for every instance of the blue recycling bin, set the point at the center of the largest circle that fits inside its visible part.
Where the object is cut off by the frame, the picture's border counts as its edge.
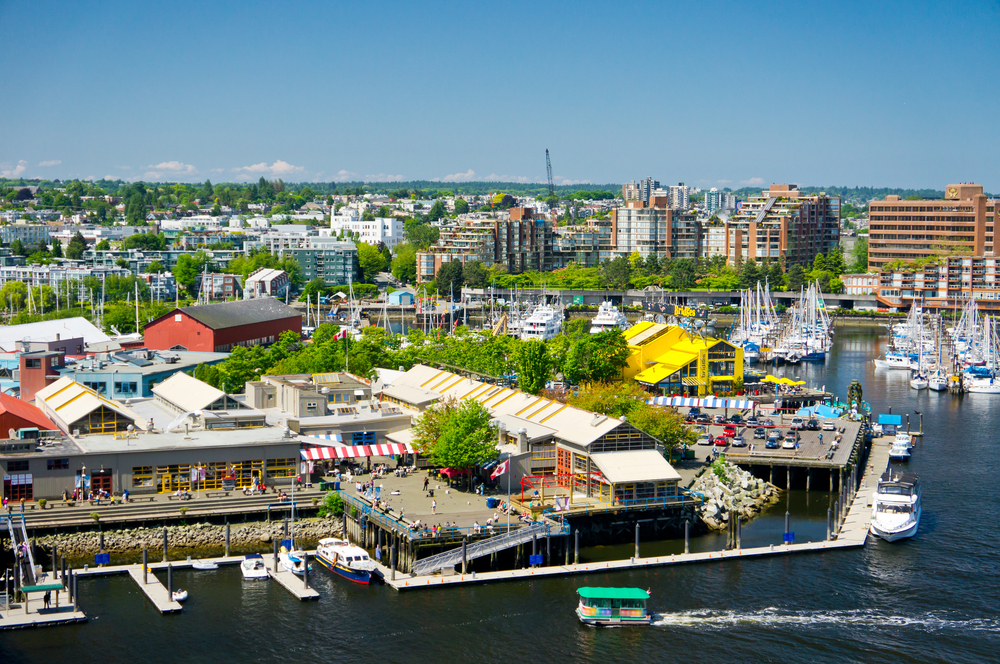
(336, 485)
(491, 503)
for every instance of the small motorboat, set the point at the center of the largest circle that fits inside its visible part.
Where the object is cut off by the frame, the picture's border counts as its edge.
(293, 561)
(204, 565)
(179, 595)
(253, 567)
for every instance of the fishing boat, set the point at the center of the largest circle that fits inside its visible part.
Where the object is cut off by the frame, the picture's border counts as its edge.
(345, 559)
(179, 595)
(901, 446)
(253, 567)
(613, 606)
(896, 508)
(293, 561)
(608, 317)
(204, 565)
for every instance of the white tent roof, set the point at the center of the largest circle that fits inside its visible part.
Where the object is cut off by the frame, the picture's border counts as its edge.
(187, 393)
(635, 466)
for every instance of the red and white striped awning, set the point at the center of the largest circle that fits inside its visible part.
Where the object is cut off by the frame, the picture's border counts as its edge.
(355, 451)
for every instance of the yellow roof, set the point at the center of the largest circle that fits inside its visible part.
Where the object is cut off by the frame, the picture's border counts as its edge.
(676, 357)
(636, 329)
(656, 373)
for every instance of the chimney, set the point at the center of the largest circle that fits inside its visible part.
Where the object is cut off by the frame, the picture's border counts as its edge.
(522, 440)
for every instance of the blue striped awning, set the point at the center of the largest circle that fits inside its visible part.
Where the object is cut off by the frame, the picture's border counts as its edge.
(707, 402)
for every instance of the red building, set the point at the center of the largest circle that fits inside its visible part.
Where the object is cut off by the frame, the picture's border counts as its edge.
(39, 369)
(16, 414)
(221, 327)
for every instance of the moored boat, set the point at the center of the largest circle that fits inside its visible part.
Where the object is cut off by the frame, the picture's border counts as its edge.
(901, 446)
(179, 595)
(345, 559)
(293, 561)
(204, 565)
(896, 507)
(253, 567)
(613, 606)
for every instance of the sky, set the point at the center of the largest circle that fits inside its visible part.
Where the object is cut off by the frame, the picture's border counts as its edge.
(899, 94)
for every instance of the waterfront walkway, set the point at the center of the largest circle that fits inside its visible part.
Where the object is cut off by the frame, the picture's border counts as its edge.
(32, 613)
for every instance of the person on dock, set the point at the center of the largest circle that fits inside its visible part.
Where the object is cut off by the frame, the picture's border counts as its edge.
(434, 506)
(427, 481)
(47, 599)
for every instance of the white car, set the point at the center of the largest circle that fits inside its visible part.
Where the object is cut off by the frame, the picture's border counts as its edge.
(797, 423)
(788, 444)
(705, 440)
(829, 426)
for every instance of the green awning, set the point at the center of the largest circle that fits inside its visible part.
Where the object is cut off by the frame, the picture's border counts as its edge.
(589, 592)
(43, 588)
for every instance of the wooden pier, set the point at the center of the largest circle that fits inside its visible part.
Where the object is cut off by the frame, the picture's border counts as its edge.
(32, 613)
(292, 583)
(153, 589)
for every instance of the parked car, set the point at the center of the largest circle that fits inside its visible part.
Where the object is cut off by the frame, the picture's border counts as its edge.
(775, 435)
(797, 423)
(829, 426)
(719, 419)
(812, 425)
(760, 433)
(703, 419)
(721, 441)
(705, 439)
(739, 441)
(729, 431)
(767, 422)
(695, 412)
(772, 444)
(736, 419)
(752, 420)
(788, 444)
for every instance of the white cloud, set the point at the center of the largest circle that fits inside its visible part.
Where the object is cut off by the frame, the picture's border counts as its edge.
(218, 170)
(111, 177)
(493, 177)
(383, 177)
(152, 175)
(344, 176)
(752, 182)
(175, 167)
(54, 162)
(279, 168)
(723, 181)
(467, 176)
(15, 172)
(558, 179)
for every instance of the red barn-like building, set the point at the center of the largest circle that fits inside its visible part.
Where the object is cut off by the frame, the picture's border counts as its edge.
(16, 414)
(221, 327)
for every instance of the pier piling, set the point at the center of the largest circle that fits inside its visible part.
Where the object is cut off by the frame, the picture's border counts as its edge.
(164, 544)
(392, 563)
(637, 541)
(62, 566)
(565, 545)
(465, 559)
(76, 591)
(687, 536)
(836, 516)
(100, 545)
(170, 581)
(305, 570)
(55, 562)
(145, 565)
(275, 554)
(576, 547)
(828, 514)
(227, 538)
(69, 585)
(548, 550)
(739, 532)
(788, 518)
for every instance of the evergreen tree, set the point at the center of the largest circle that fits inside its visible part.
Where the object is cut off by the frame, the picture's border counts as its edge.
(77, 245)
(796, 277)
(57, 248)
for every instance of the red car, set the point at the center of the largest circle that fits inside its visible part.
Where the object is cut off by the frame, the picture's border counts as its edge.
(729, 431)
(721, 441)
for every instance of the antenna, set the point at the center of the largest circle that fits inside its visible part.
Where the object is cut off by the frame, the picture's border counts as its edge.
(548, 168)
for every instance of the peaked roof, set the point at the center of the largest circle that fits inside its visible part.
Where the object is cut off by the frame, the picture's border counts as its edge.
(241, 312)
(187, 392)
(26, 411)
(67, 401)
(67, 328)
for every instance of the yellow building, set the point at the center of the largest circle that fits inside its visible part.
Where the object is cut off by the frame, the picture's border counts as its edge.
(666, 359)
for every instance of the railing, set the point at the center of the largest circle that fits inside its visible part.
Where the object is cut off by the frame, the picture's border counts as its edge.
(483, 547)
(381, 518)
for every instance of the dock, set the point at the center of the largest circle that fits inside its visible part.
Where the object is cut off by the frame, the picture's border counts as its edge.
(32, 613)
(293, 584)
(154, 590)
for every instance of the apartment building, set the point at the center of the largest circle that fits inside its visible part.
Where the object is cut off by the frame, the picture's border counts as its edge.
(639, 191)
(214, 286)
(713, 240)
(716, 200)
(860, 284)
(381, 230)
(942, 283)
(655, 228)
(29, 234)
(58, 277)
(334, 261)
(961, 223)
(784, 223)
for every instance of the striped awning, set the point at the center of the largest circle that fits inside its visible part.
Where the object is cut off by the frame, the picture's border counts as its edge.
(322, 439)
(355, 451)
(707, 402)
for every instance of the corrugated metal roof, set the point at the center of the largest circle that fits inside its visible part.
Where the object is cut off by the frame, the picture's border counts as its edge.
(187, 393)
(25, 411)
(241, 312)
(66, 328)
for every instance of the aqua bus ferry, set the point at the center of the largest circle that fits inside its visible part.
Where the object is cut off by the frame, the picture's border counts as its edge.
(613, 606)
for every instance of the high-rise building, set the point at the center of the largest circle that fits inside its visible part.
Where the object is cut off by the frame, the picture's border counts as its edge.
(713, 200)
(640, 191)
(784, 223)
(961, 223)
(680, 196)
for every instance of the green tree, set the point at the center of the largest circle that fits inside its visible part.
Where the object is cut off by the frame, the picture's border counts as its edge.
(430, 425)
(475, 275)
(205, 194)
(77, 245)
(17, 247)
(533, 365)
(419, 234)
(135, 210)
(186, 271)
(596, 357)
(122, 263)
(750, 274)
(468, 439)
(616, 273)
(461, 206)
(150, 241)
(371, 260)
(683, 273)
(796, 277)
(316, 285)
(437, 211)
(57, 251)
(156, 267)
(450, 278)
(404, 263)
(859, 254)
(664, 424)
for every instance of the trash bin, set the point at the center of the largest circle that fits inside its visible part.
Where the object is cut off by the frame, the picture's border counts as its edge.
(491, 503)
(336, 485)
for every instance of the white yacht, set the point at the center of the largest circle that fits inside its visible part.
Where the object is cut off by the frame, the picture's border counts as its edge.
(253, 567)
(896, 507)
(343, 558)
(937, 381)
(982, 385)
(608, 317)
(543, 324)
(894, 361)
(901, 446)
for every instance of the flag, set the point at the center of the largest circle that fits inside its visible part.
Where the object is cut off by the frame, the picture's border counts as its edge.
(340, 335)
(500, 469)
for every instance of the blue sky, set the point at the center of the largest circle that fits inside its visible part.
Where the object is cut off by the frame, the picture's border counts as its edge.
(709, 93)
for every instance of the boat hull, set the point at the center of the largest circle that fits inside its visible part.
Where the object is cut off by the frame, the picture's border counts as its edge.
(894, 535)
(613, 622)
(355, 576)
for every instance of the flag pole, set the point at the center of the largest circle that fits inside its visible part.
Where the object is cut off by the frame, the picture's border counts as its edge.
(508, 491)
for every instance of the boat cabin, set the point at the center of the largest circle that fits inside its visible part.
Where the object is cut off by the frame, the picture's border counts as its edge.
(904, 484)
(613, 606)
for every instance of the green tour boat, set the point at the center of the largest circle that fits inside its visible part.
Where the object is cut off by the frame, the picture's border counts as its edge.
(613, 606)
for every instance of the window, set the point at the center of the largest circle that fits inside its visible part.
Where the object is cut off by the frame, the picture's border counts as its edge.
(142, 476)
(20, 466)
(125, 387)
(57, 464)
(33, 363)
(281, 467)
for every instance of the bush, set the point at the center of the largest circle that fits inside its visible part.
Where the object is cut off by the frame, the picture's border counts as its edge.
(42, 503)
(332, 505)
(95, 516)
(183, 510)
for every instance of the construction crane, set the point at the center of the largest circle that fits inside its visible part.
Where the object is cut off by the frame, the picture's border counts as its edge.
(548, 167)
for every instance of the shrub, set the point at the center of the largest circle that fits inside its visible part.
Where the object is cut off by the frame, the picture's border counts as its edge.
(332, 505)
(183, 510)
(95, 516)
(42, 503)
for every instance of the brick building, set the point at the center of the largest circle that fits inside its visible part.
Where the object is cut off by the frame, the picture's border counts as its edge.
(221, 327)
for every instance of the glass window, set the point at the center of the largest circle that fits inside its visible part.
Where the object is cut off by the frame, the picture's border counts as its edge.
(57, 464)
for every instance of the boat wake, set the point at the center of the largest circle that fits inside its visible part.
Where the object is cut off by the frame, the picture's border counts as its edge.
(774, 617)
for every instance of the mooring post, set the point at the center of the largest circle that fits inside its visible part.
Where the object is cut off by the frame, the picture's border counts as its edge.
(836, 516)
(534, 545)
(305, 570)
(392, 562)
(809, 475)
(76, 591)
(164, 544)
(170, 581)
(285, 531)
(687, 536)
(787, 519)
(227, 538)
(739, 532)
(55, 562)
(828, 516)
(576, 547)
(343, 520)
(145, 565)
(69, 582)
(565, 544)
(548, 550)
(465, 541)
(62, 566)
(637, 541)
(275, 556)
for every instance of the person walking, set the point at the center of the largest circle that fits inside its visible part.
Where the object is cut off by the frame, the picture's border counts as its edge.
(427, 481)
(22, 505)
(434, 506)
(47, 599)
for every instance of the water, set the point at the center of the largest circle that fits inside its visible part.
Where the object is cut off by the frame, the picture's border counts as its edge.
(933, 598)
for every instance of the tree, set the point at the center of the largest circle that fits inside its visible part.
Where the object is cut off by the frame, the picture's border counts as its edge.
(371, 260)
(206, 192)
(57, 251)
(122, 263)
(103, 245)
(683, 273)
(437, 211)
(186, 272)
(428, 428)
(317, 285)
(533, 365)
(135, 210)
(419, 234)
(596, 357)
(404, 263)
(616, 273)
(461, 206)
(859, 254)
(652, 265)
(156, 267)
(17, 247)
(450, 278)
(796, 277)
(77, 245)
(664, 424)
(750, 274)
(468, 439)
(475, 275)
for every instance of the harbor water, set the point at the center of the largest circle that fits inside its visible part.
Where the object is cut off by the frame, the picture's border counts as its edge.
(933, 598)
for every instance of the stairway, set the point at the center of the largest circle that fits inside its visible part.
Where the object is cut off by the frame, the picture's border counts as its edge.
(19, 534)
(482, 548)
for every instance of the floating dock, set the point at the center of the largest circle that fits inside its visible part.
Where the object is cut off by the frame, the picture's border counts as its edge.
(292, 583)
(154, 590)
(22, 615)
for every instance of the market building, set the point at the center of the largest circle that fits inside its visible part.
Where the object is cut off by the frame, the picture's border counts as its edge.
(666, 359)
(221, 327)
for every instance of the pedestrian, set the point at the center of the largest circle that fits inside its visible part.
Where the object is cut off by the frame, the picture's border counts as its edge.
(427, 481)
(22, 505)
(434, 506)
(47, 599)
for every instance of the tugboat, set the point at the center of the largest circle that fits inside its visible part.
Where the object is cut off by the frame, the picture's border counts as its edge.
(613, 606)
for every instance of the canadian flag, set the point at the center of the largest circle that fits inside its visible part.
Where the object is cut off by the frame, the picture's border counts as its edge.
(500, 470)
(340, 335)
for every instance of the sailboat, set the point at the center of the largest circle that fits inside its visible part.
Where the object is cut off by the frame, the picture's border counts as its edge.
(938, 380)
(292, 559)
(918, 380)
